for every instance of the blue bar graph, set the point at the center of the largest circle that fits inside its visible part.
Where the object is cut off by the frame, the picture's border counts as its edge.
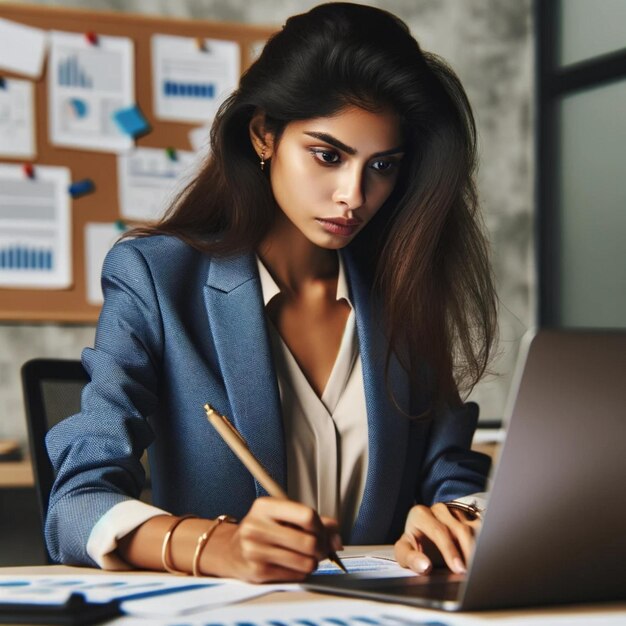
(188, 90)
(70, 74)
(25, 258)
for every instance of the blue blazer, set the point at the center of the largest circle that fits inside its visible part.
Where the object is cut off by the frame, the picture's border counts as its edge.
(179, 329)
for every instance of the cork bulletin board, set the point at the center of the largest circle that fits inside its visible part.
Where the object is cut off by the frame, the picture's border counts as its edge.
(71, 304)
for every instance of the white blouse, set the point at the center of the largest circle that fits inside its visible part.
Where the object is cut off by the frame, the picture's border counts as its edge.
(326, 438)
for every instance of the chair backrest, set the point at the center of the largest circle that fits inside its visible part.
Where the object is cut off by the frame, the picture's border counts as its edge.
(52, 390)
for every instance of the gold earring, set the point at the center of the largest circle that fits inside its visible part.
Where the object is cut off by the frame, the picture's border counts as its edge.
(262, 159)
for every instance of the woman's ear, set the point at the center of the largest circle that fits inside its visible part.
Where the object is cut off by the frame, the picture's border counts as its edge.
(262, 139)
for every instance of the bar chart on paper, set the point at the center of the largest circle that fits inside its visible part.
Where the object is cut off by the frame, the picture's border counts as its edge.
(34, 228)
(26, 258)
(71, 74)
(188, 90)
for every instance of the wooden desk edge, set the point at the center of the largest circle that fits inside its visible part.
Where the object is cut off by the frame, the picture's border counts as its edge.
(16, 474)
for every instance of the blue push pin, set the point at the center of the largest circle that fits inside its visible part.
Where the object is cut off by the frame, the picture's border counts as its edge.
(81, 187)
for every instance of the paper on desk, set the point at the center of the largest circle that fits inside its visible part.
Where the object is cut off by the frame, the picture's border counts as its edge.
(145, 596)
(309, 613)
(352, 612)
(366, 566)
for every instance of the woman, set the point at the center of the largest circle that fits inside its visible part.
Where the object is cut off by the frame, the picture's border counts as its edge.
(324, 283)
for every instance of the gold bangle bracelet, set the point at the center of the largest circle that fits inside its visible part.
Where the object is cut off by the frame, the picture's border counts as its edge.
(165, 548)
(203, 539)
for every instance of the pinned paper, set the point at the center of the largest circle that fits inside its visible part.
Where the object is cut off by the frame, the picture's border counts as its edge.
(22, 48)
(148, 180)
(81, 187)
(99, 238)
(35, 227)
(131, 121)
(86, 84)
(17, 119)
(192, 77)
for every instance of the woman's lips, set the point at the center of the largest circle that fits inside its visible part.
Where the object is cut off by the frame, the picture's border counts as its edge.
(338, 226)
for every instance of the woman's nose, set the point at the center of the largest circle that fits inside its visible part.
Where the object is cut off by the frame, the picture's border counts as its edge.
(350, 190)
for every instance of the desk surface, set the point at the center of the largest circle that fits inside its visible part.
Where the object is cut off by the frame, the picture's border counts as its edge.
(16, 474)
(574, 615)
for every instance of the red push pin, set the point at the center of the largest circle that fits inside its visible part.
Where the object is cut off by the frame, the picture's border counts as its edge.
(92, 38)
(28, 170)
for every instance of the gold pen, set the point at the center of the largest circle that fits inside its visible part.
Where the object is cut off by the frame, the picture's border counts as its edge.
(236, 443)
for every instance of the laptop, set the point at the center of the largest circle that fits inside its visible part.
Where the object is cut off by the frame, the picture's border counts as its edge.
(555, 528)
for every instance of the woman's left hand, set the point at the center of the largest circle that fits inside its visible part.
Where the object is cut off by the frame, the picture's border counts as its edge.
(435, 533)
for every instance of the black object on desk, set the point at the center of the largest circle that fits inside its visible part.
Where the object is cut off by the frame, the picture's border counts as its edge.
(76, 610)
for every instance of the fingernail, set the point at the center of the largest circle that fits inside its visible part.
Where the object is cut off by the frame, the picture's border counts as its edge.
(420, 566)
(459, 567)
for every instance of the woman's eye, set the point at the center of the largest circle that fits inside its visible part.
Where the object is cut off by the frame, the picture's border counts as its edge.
(383, 167)
(326, 156)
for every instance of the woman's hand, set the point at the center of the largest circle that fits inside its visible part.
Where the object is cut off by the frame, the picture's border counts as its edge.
(278, 540)
(435, 533)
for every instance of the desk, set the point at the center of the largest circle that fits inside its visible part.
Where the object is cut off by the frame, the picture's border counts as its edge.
(16, 474)
(583, 615)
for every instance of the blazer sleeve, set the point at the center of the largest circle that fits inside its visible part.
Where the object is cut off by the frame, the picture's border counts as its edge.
(96, 453)
(451, 469)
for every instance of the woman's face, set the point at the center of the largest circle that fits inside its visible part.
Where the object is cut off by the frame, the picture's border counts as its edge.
(330, 175)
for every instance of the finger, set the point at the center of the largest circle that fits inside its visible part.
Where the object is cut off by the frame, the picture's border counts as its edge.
(422, 524)
(290, 512)
(263, 559)
(332, 532)
(440, 528)
(461, 529)
(408, 552)
(272, 532)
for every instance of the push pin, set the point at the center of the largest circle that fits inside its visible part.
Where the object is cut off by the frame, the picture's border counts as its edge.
(92, 38)
(201, 44)
(171, 154)
(28, 170)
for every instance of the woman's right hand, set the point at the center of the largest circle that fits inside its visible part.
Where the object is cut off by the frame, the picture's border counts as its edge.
(278, 540)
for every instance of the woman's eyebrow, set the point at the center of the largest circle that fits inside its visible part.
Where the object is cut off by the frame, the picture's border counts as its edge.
(333, 141)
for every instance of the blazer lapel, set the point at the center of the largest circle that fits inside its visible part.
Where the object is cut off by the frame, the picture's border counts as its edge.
(388, 429)
(235, 307)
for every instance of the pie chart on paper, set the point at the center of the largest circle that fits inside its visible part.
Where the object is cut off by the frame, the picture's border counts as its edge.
(78, 108)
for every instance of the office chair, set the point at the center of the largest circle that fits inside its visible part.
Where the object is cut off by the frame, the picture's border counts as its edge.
(52, 389)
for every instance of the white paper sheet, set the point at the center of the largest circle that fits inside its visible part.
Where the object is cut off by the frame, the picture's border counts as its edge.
(35, 228)
(364, 567)
(99, 238)
(189, 83)
(148, 179)
(154, 596)
(87, 84)
(17, 119)
(22, 48)
(200, 139)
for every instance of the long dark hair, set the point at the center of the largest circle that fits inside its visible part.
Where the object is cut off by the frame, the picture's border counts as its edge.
(431, 268)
